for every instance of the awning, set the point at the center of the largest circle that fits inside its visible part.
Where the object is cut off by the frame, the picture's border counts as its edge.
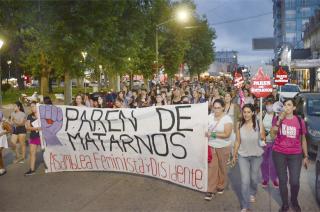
(312, 63)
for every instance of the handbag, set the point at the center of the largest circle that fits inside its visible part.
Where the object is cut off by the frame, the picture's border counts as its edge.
(209, 154)
(209, 148)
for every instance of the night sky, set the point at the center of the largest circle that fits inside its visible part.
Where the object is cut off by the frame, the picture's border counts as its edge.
(238, 35)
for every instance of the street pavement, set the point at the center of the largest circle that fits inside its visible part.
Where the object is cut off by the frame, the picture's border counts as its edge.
(112, 191)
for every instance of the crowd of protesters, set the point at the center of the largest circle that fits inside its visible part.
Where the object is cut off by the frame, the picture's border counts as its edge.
(235, 133)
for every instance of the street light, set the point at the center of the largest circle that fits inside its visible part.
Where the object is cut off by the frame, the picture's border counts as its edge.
(1, 44)
(100, 68)
(181, 16)
(84, 55)
(130, 76)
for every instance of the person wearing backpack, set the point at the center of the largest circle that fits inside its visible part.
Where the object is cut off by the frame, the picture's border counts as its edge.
(268, 170)
(248, 151)
(289, 152)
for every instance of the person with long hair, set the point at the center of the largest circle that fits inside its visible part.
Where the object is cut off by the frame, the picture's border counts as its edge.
(79, 101)
(18, 120)
(34, 140)
(247, 97)
(289, 153)
(176, 96)
(3, 144)
(195, 97)
(159, 100)
(220, 129)
(143, 100)
(231, 109)
(249, 153)
(119, 102)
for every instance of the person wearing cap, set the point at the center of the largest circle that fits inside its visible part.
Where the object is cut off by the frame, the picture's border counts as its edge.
(94, 101)
(3, 144)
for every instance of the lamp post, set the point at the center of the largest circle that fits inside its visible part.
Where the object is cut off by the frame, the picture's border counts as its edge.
(182, 15)
(9, 63)
(130, 77)
(100, 68)
(84, 55)
(1, 44)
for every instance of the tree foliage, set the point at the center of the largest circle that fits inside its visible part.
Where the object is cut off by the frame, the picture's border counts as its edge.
(50, 36)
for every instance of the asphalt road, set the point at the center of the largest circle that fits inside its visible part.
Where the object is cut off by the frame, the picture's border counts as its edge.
(111, 191)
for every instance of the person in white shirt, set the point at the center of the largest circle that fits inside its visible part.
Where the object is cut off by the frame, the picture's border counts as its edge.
(219, 132)
(3, 144)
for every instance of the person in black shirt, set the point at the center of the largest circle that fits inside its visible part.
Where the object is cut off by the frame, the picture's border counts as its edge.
(34, 139)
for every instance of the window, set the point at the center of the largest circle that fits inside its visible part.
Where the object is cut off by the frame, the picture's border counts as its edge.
(305, 3)
(305, 12)
(313, 107)
(290, 26)
(290, 4)
(290, 14)
(290, 37)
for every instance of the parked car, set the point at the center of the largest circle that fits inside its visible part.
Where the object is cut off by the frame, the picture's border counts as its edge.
(308, 108)
(288, 91)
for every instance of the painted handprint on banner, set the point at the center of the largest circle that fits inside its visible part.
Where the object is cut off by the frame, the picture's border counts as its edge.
(51, 122)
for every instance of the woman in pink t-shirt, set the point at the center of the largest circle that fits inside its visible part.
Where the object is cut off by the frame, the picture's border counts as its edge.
(290, 143)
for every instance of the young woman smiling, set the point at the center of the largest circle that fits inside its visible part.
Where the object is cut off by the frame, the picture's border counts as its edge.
(249, 152)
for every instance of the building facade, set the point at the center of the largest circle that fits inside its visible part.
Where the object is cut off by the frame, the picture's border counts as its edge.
(312, 42)
(290, 18)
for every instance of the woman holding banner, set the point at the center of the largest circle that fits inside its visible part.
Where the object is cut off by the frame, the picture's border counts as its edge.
(247, 149)
(289, 153)
(34, 139)
(220, 129)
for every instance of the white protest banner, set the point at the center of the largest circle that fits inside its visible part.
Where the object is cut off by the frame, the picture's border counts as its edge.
(166, 142)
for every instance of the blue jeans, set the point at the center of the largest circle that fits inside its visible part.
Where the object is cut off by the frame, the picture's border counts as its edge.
(249, 171)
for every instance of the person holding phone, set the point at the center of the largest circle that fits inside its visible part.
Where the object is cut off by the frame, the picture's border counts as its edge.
(289, 152)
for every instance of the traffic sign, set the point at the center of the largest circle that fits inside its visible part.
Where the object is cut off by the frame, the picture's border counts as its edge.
(261, 84)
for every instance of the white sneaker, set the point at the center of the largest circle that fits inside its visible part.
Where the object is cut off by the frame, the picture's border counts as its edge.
(2, 171)
(252, 199)
(209, 196)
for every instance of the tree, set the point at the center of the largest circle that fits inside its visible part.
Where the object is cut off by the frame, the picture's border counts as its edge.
(201, 52)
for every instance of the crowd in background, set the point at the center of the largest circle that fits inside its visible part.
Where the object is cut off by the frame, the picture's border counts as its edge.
(235, 133)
